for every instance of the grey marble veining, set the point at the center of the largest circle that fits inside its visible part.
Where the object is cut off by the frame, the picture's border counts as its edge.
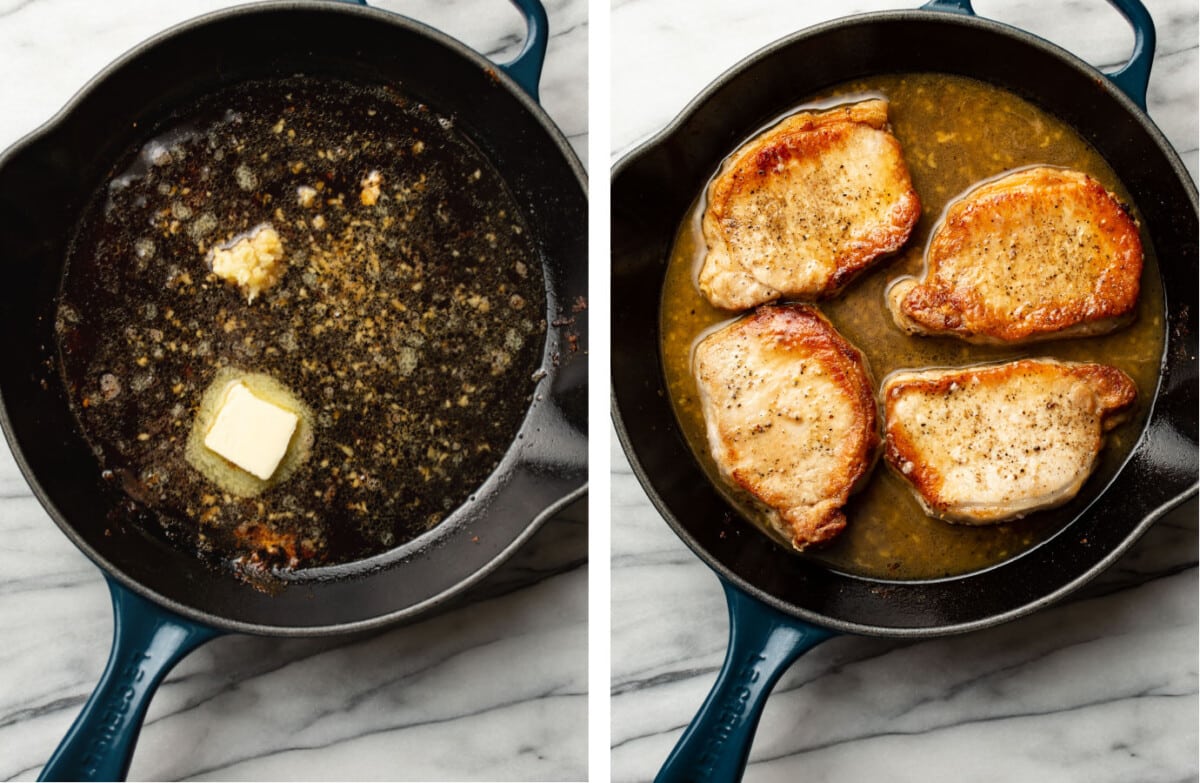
(492, 689)
(1099, 689)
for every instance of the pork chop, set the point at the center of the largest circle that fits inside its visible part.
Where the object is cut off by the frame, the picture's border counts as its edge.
(802, 208)
(995, 442)
(790, 414)
(1037, 254)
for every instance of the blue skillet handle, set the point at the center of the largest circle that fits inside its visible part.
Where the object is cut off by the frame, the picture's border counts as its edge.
(1133, 77)
(763, 643)
(148, 641)
(950, 6)
(526, 68)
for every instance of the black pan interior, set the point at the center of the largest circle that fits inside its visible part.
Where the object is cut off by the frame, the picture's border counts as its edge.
(653, 188)
(46, 182)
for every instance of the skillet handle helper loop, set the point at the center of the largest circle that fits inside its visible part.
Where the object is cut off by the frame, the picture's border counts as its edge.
(1132, 78)
(147, 643)
(526, 68)
(763, 643)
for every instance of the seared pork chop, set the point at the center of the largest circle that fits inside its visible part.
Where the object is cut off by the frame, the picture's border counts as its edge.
(1039, 253)
(790, 415)
(802, 208)
(994, 442)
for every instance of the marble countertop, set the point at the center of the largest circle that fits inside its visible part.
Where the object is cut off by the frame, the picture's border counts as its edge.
(1100, 688)
(493, 689)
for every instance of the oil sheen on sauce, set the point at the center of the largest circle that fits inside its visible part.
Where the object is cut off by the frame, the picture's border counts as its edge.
(409, 320)
(955, 132)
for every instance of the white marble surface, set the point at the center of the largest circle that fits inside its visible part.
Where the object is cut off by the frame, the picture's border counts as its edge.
(1101, 688)
(495, 689)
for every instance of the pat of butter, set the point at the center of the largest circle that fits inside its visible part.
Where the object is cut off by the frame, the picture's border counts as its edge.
(251, 432)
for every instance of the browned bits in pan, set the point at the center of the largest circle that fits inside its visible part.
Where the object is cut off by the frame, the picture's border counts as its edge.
(394, 315)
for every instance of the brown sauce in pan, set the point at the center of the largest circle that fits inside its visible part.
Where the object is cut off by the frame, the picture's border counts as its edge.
(955, 132)
(409, 323)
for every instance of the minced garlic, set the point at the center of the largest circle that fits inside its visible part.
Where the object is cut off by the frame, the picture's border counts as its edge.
(253, 262)
(370, 188)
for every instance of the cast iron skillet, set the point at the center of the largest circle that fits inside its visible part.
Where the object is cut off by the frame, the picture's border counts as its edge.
(781, 604)
(165, 601)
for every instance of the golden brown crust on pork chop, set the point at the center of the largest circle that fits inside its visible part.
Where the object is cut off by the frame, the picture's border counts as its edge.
(802, 208)
(790, 415)
(1039, 253)
(986, 444)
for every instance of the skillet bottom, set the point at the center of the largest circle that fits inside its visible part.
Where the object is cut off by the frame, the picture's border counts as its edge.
(406, 318)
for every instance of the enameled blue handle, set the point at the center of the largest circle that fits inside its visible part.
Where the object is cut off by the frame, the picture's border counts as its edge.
(148, 641)
(1133, 78)
(763, 643)
(526, 68)
(950, 6)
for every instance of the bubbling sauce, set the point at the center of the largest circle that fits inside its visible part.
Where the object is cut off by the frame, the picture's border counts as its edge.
(408, 319)
(955, 133)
